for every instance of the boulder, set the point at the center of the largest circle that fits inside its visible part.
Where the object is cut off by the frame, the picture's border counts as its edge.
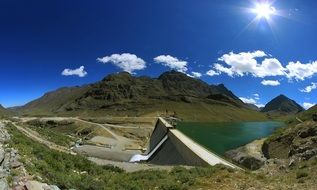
(245, 160)
(54, 187)
(4, 184)
(2, 154)
(19, 187)
(35, 185)
(15, 164)
(307, 132)
(249, 156)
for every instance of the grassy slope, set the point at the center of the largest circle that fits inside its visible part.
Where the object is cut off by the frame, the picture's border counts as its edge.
(4, 112)
(125, 95)
(278, 144)
(292, 121)
(198, 111)
(307, 115)
(68, 171)
(61, 132)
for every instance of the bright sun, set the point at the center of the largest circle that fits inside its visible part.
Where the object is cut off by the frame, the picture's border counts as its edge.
(264, 10)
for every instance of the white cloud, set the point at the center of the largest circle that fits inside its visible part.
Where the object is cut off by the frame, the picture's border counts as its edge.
(270, 82)
(126, 61)
(307, 105)
(256, 96)
(211, 73)
(246, 63)
(78, 72)
(300, 71)
(196, 74)
(172, 62)
(269, 67)
(308, 89)
(222, 69)
(260, 105)
(248, 100)
(253, 101)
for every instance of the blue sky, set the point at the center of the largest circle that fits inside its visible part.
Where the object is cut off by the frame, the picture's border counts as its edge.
(239, 44)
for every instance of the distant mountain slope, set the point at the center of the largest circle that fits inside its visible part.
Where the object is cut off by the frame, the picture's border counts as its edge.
(253, 107)
(172, 93)
(53, 102)
(282, 105)
(308, 114)
(3, 111)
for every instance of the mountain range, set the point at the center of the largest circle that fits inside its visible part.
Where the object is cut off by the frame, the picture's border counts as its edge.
(122, 94)
(172, 93)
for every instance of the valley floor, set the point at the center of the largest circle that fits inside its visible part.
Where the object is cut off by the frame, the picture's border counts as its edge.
(52, 162)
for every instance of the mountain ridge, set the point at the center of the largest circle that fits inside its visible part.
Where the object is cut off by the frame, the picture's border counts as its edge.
(123, 94)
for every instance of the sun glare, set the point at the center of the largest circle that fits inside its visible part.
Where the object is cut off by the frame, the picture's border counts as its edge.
(264, 10)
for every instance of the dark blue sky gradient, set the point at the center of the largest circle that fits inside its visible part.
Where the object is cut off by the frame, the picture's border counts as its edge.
(38, 39)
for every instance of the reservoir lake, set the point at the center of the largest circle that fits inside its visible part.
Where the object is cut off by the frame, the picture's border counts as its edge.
(221, 137)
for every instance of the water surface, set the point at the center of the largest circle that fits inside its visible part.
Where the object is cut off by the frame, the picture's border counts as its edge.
(221, 137)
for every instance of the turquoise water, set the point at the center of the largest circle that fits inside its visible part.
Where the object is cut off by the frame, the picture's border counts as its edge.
(221, 137)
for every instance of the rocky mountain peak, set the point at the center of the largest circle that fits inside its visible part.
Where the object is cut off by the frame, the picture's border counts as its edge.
(118, 77)
(282, 104)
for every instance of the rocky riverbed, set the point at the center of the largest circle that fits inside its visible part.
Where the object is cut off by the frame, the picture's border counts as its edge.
(13, 174)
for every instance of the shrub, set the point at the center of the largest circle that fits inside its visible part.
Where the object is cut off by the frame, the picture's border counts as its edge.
(301, 174)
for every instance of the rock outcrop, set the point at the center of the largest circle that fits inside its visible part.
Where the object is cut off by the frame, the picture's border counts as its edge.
(296, 143)
(9, 162)
(249, 156)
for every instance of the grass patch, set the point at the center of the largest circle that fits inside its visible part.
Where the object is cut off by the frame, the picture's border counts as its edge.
(301, 174)
(53, 136)
(69, 171)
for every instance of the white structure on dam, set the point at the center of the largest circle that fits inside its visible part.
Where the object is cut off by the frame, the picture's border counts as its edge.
(169, 146)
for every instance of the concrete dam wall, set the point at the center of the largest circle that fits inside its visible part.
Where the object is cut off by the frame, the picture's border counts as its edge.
(168, 146)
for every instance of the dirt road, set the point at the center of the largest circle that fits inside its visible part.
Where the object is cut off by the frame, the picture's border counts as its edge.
(35, 136)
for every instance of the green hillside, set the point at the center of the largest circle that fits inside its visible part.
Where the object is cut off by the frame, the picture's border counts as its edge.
(4, 112)
(172, 93)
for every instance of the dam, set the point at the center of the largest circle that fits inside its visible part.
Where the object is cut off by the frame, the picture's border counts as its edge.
(169, 146)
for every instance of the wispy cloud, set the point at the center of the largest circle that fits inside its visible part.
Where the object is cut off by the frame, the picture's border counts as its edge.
(248, 100)
(212, 73)
(172, 62)
(253, 100)
(308, 105)
(256, 96)
(195, 74)
(77, 72)
(126, 61)
(270, 82)
(308, 89)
